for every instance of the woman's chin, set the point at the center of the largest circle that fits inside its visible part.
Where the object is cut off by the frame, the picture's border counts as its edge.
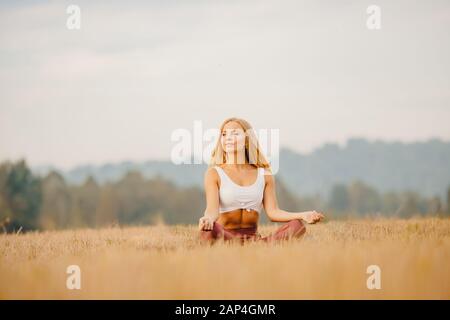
(229, 150)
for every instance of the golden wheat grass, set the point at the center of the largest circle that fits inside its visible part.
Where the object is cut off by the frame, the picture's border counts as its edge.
(169, 262)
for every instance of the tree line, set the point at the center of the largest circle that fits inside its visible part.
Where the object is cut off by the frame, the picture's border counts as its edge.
(30, 202)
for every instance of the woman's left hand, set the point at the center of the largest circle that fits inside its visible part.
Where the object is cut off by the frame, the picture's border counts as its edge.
(312, 216)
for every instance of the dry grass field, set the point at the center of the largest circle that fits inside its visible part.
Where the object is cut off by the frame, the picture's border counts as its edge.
(169, 262)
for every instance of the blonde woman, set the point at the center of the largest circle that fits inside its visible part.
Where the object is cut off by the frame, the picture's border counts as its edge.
(238, 184)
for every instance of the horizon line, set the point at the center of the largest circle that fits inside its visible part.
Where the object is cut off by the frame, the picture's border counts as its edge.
(282, 148)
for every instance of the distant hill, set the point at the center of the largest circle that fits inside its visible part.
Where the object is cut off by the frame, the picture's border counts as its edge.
(181, 175)
(388, 166)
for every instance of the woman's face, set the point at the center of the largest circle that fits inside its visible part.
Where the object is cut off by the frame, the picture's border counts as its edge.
(232, 137)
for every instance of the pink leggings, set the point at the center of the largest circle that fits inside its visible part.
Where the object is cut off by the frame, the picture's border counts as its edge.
(292, 229)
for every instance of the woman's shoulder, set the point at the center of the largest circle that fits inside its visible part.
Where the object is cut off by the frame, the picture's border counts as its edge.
(267, 170)
(211, 172)
(268, 175)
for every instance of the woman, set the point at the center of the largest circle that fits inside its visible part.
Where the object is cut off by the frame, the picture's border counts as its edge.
(238, 183)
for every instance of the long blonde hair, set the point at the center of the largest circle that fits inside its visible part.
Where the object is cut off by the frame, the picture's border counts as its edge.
(253, 152)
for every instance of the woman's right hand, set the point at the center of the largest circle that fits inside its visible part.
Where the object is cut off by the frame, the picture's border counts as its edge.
(205, 223)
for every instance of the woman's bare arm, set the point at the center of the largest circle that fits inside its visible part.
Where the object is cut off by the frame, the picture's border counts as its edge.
(212, 200)
(276, 214)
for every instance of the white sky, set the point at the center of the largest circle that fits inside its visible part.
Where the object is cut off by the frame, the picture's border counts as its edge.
(136, 71)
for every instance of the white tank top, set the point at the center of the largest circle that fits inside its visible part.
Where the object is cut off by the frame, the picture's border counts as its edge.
(233, 196)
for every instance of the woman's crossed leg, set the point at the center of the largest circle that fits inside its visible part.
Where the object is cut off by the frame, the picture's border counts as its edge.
(289, 230)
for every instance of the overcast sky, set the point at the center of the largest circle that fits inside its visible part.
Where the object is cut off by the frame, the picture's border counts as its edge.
(116, 89)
